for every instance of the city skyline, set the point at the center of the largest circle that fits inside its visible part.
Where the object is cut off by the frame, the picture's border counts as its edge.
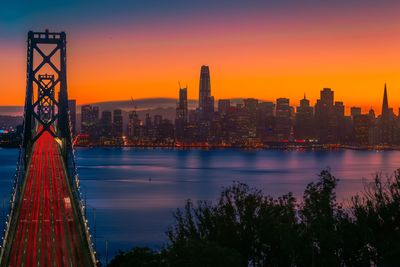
(258, 50)
(122, 122)
(251, 123)
(293, 103)
(171, 102)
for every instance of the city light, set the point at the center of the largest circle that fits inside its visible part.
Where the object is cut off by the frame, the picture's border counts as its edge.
(206, 133)
(249, 123)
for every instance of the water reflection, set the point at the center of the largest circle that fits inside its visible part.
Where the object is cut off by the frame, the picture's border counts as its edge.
(134, 191)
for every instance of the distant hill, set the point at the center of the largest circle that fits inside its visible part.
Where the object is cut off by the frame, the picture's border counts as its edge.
(152, 103)
(140, 104)
(153, 106)
(143, 104)
(11, 110)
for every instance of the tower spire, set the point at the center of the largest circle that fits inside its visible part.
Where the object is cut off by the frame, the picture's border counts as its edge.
(385, 105)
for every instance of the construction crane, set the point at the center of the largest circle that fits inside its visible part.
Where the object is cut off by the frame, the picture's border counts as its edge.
(133, 104)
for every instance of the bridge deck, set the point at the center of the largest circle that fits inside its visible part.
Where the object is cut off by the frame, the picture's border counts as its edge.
(47, 232)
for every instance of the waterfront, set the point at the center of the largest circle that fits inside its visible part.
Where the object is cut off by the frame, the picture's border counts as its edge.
(135, 190)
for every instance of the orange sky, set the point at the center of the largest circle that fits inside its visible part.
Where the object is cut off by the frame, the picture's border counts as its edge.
(259, 56)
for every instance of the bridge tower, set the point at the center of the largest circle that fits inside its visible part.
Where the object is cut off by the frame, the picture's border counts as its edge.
(46, 178)
(46, 88)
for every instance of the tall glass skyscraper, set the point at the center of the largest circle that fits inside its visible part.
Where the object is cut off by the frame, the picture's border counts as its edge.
(206, 101)
(182, 108)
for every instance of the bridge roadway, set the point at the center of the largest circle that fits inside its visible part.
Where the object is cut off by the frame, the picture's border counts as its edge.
(47, 232)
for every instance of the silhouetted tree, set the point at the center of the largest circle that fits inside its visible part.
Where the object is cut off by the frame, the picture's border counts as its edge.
(278, 232)
(199, 253)
(245, 228)
(138, 257)
(231, 223)
(377, 217)
(320, 215)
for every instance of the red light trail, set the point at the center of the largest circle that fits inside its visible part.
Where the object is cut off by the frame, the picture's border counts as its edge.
(47, 232)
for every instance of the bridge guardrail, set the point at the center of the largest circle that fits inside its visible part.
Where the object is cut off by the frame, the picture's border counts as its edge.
(16, 190)
(73, 176)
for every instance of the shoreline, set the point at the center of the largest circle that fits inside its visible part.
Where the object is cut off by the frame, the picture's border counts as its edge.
(265, 147)
(275, 146)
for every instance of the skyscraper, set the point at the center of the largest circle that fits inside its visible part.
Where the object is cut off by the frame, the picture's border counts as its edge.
(386, 121)
(325, 116)
(89, 120)
(85, 118)
(283, 124)
(72, 114)
(206, 101)
(266, 121)
(157, 120)
(355, 111)
(106, 123)
(181, 114)
(148, 126)
(134, 126)
(250, 104)
(118, 123)
(339, 124)
(204, 87)
(223, 106)
(327, 96)
(304, 126)
(385, 105)
(182, 107)
(361, 125)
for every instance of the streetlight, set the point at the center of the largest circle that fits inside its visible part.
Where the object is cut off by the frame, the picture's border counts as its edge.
(106, 252)
(106, 246)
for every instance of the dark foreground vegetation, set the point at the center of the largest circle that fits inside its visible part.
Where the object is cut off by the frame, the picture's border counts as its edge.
(246, 228)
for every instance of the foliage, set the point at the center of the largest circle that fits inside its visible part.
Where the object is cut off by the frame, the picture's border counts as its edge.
(138, 257)
(198, 253)
(246, 228)
(377, 217)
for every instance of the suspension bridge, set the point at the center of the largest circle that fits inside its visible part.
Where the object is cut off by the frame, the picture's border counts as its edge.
(46, 224)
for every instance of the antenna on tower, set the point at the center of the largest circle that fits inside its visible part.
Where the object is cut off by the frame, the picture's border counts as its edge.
(179, 84)
(133, 104)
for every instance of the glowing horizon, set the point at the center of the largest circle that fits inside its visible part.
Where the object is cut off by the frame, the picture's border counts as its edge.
(265, 51)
